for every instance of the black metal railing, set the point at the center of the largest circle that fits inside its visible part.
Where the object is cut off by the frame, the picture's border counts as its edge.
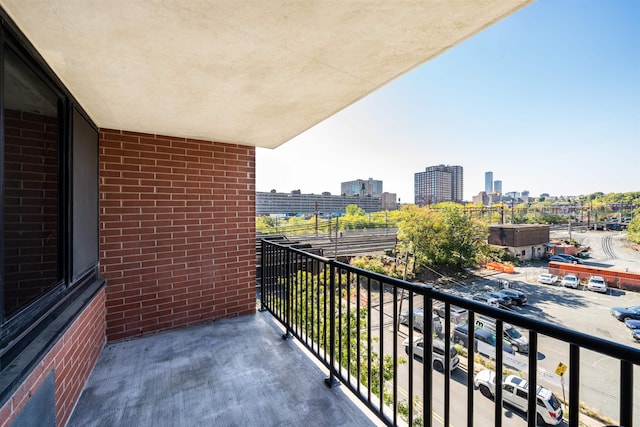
(349, 319)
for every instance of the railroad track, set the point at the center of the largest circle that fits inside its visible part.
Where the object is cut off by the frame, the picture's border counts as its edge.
(607, 247)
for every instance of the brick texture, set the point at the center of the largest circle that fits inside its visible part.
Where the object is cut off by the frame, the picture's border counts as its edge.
(30, 207)
(177, 231)
(72, 358)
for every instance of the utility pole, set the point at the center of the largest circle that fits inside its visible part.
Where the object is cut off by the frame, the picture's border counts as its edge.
(316, 209)
(336, 244)
(404, 278)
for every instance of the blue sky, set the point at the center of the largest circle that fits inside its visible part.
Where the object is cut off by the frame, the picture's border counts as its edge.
(548, 99)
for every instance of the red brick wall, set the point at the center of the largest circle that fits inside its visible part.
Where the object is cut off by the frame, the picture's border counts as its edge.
(177, 231)
(30, 207)
(72, 357)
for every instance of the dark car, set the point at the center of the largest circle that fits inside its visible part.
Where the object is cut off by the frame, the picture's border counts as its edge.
(558, 258)
(503, 299)
(624, 313)
(570, 258)
(636, 334)
(461, 336)
(518, 297)
(632, 323)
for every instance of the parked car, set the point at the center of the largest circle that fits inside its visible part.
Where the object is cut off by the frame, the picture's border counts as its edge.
(437, 355)
(457, 314)
(624, 313)
(632, 323)
(485, 299)
(518, 297)
(547, 278)
(461, 336)
(515, 391)
(570, 281)
(570, 258)
(418, 320)
(510, 333)
(635, 333)
(503, 300)
(597, 283)
(557, 258)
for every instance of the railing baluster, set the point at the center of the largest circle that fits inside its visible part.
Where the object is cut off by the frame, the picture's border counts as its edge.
(533, 378)
(348, 319)
(626, 393)
(358, 327)
(381, 349)
(411, 356)
(499, 357)
(369, 339)
(470, 371)
(427, 374)
(447, 363)
(395, 354)
(574, 385)
(331, 381)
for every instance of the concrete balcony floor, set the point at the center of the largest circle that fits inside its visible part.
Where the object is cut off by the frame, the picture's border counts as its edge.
(232, 372)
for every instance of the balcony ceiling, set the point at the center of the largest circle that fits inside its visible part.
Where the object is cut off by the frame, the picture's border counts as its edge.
(250, 72)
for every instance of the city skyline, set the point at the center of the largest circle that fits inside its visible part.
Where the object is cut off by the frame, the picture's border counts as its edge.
(546, 99)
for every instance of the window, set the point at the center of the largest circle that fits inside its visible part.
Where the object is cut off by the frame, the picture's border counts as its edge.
(48, 207)
(31, 262)
(49, 198)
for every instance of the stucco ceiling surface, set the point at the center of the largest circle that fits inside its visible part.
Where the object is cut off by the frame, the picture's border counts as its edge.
(251, 72)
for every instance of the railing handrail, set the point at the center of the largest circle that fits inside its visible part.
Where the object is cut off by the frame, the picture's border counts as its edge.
(584, 340)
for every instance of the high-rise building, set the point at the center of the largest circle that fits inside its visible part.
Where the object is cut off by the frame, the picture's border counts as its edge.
(438, 184)
(362, 188)
(488, 182)
(497, 186)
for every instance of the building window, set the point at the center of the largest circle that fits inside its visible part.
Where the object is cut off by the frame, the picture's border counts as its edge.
(31, 185)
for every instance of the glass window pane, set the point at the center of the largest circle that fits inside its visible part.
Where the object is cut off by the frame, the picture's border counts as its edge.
(31, 186)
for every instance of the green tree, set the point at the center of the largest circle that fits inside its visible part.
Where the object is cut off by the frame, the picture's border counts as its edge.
(633, 231)
(442, 235)
(354, 210)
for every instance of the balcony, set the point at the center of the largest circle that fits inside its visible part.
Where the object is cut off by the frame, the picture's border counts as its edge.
(321, 319)
(235, 371)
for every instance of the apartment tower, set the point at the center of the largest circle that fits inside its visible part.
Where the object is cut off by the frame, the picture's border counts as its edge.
(438, 184)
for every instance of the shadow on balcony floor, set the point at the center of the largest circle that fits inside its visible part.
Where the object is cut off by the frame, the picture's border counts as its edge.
(233, 372)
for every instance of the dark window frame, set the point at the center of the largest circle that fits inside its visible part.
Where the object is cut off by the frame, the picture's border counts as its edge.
(28, 334)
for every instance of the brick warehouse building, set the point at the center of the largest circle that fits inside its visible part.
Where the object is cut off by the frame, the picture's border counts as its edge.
(128, 137)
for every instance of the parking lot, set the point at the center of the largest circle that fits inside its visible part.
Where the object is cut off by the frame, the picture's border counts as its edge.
(577, 309)
(558, 304)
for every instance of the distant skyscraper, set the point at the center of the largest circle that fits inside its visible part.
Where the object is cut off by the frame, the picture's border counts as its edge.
(360, 187)
(488, 182)
(438, 184)
(497, 186)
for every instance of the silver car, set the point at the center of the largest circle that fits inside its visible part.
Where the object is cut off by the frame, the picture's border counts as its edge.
(597, 283)
(570, 281)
